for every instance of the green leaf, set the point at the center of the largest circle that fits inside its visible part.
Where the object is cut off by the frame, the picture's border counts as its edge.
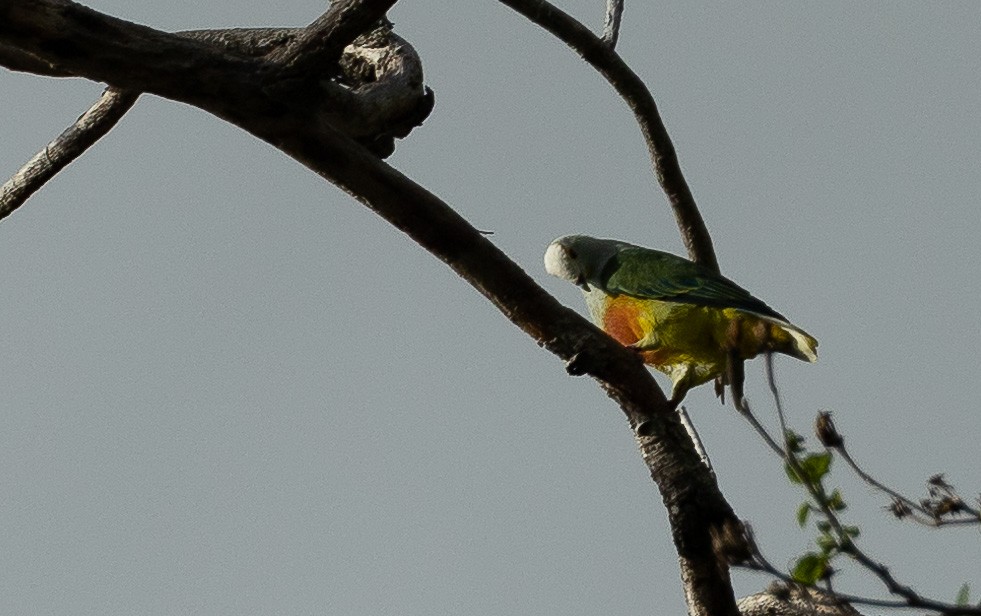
(802, 513)
(792, 474)
(810, 568)
(794, 441)
(815, 466)
(824, 526)
(963, 595)
(827, 543)
(851, 531)
(836, 502)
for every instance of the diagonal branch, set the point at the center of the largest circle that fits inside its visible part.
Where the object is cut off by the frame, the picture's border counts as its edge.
(611, 27)
(66, 147)
(601, 56)
(704, 526)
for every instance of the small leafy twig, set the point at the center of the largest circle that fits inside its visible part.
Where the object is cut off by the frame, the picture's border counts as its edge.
(760, 563)
(809, 470)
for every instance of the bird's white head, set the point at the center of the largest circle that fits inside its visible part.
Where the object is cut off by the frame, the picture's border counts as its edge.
(562, 261)
(580, 259)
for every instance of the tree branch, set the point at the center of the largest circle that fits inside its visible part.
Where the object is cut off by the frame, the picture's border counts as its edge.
(69, 145)
(321, 43)
(76, 40)
(611, 27)
(63, 38)
(631, 88)
(383, 96)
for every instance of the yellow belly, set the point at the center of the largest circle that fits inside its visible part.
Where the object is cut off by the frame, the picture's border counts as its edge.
(684, 340)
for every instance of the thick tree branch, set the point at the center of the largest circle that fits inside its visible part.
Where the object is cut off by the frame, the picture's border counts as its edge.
(382, 97)
(16, 59)
(631, 88)
(705, 529)
(73, 39)
(62, 38)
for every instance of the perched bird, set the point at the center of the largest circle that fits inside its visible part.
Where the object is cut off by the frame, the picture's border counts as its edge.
(682, 318)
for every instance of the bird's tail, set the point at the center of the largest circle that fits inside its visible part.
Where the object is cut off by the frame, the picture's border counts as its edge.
(800, 344)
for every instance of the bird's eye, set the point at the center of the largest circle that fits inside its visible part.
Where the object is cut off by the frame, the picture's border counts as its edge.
(572, 253)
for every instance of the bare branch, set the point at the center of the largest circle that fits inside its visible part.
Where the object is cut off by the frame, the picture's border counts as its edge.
(252, 42)
(695, 438)
(696, 508)
(631, 88)
(611, 27)
(383, 95)
(68, 146)
(761, 430)
(16, 59)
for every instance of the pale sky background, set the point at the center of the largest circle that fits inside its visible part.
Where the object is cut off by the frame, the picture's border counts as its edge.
(229, 389)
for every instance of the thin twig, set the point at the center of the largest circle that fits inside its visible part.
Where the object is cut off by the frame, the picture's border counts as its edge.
(931, 519)
(695, 438)
(65, 148)
(632, 89)
(768, 363)
(611, 27)
(761, 430)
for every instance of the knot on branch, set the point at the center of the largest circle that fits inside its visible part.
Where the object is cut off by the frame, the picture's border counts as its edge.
(384, 73)
(375, 92)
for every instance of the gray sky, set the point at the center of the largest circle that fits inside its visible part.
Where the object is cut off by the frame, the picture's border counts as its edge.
(229, 388)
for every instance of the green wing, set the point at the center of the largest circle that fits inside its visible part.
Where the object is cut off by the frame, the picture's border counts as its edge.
(652, 274)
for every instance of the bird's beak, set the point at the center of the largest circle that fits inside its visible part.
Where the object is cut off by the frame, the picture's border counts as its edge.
(581, 283)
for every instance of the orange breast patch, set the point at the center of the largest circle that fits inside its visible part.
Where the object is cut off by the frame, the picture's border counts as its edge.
(621, 320)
